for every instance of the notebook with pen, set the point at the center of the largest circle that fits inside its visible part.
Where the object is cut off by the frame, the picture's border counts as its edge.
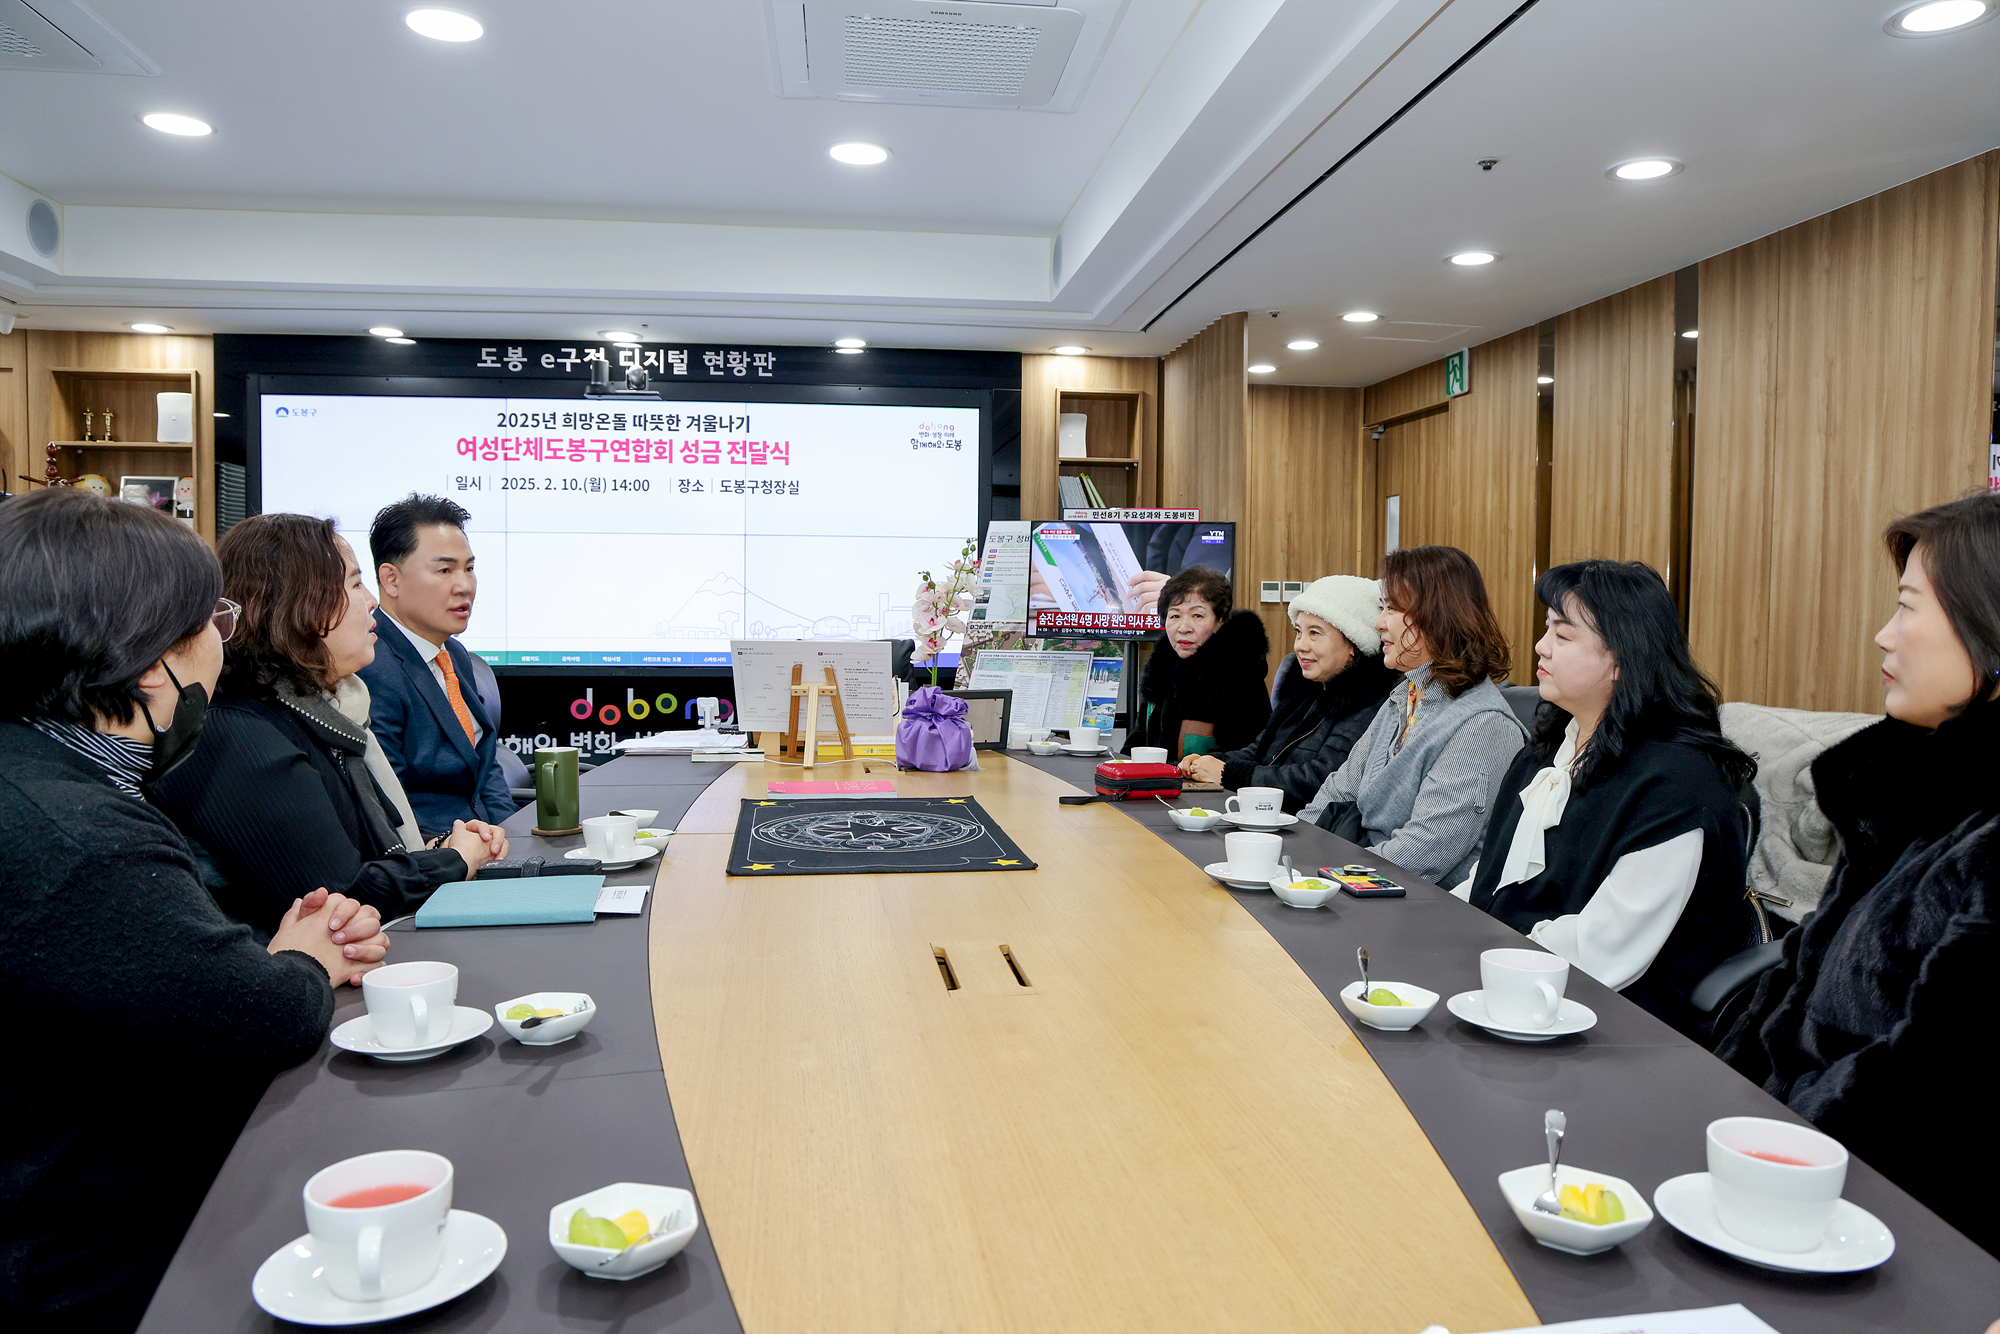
(569, 898)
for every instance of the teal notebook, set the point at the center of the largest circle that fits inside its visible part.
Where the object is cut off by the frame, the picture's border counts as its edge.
(555, 898)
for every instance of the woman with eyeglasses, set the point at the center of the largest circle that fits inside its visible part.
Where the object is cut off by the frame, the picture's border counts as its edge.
(289, 787)
(175, 1017)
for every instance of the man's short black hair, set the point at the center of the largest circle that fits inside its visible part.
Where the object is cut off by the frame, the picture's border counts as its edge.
(393, 535)
(92, 593)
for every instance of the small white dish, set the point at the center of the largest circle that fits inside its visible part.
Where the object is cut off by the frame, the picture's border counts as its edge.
(639, 854)
(644, 817)
(550, 1031)
(1238, 877)
(1283, 821)
(1855, 1239)
(358, 1036)
(1080, 750)
(1390, 1018)
(657, 836)
(1194, 824)
(1045, 747)
(1568, 1235)
(1310, 891)
(1573, 1017)
(610, 1201)
(289, 1284)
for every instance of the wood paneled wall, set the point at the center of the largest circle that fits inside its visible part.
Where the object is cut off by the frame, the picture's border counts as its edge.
(1846, 372)
(1299, 477)
(1400, 395)
(1613, 492)
(14, 451)
(1043, 376)
(1205, 409)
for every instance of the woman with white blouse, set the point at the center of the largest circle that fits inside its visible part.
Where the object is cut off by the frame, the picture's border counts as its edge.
(1626, 846)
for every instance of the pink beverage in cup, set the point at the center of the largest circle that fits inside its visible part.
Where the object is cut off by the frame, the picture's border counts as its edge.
(377, 1222)
(1775, 1183)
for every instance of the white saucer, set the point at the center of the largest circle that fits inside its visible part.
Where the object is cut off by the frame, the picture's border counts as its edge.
(639, 854)
(1250, 880)
(288, 1285)
(358, 1036)
(1855, 1240)
(1283, 821)
(1571, 1017)
(1080, 751)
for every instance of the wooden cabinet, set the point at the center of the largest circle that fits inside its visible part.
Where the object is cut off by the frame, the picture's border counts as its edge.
(1120, 397)
(1111, 443)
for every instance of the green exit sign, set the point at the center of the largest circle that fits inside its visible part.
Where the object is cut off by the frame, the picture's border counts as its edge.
(1458, 373)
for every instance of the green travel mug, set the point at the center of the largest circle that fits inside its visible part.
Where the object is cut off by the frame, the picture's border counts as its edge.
(558, 809)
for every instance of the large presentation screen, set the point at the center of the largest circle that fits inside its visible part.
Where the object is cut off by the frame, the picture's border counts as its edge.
(649, 533)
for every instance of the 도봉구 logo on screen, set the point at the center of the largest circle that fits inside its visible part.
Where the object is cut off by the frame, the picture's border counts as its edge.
(282, 411)
(636, 707)
(936, 435)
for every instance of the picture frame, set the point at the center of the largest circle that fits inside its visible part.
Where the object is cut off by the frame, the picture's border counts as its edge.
(991, 713)
(153, 492)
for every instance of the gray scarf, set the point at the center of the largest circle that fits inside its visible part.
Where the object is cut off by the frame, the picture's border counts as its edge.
(345, 713)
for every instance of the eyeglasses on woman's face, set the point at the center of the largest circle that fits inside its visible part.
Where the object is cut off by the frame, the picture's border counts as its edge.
(224, 617)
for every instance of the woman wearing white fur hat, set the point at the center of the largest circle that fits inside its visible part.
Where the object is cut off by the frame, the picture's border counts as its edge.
(1328, 689)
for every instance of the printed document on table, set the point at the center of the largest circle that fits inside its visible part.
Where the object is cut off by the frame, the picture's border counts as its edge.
(622, 898)
(1031, 705)
(1732, 1319)
(763, 672)
(1067, 674)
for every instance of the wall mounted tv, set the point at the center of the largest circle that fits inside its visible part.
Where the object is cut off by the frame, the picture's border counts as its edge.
(1102, 580)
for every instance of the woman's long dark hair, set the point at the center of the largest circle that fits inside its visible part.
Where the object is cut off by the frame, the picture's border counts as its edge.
(1660, 693)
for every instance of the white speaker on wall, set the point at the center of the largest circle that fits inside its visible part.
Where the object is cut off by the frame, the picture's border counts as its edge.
(176, 419)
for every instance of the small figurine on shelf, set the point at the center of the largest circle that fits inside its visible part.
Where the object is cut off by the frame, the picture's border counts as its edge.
(87, 414)
(95, 483)
(184, 501)
(107, 424)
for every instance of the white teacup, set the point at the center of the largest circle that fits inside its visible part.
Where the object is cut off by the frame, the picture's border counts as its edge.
(1259, 805)
(1149, 754)
(1254, 856)
(1775, 1183)
(1523, 988)
(611, 838)
(410, 1004)
(373, 1251)
(1083, 738)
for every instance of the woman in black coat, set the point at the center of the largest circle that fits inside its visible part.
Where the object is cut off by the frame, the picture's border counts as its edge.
(288, 789)
(1327, 692)
(110, 644)
(1875, 1023)
(1203, 687)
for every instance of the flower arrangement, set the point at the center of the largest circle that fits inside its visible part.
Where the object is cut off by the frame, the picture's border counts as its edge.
(934, 612)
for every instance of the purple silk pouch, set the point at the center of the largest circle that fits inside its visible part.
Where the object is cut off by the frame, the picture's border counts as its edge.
(934, 733)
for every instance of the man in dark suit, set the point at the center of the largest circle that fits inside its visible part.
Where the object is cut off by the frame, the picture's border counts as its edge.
(424, 706)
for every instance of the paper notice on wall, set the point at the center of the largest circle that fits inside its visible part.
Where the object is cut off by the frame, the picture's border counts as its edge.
(1003, 577)
(1066, 674)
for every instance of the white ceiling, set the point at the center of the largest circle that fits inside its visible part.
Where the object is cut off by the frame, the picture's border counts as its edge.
(594, 162)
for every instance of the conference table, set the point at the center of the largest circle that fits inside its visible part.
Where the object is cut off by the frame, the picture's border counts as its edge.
(1106, 1093)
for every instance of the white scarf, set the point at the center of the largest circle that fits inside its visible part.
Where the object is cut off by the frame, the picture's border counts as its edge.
(1542, 803)
(351, 698)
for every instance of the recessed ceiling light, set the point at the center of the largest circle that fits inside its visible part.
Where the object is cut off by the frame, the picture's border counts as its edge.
(1468, 258)
(856, 343)
(859, 154)
(1643, 169)
(1302, 345)
(1361, 317)
(1936, 16)
(618, 335)
(1545, 379)
(384, 331)
(400, 342)
(849, 351)
(167, 122)
(1261, 368)
(444, 25)
(1069, 350)
(150, 328)
(1691, 333)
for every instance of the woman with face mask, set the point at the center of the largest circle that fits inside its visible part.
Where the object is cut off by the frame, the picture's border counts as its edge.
(1619, 841)
(111, 632)
(1417, 786)
(1875, 1016)
(1327, 693)
(289, 788)
(1203, 687)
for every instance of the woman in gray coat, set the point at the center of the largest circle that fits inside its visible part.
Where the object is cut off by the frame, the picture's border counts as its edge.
(1418, 785)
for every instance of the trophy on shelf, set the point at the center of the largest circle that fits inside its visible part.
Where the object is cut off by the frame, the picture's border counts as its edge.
(86, 423)
(107, 424)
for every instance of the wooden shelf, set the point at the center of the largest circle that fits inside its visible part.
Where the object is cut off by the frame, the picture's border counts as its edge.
(1093, 462)
(186, 447)
(118, 373)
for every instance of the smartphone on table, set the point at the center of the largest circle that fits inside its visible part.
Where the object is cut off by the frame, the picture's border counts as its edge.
(1363, 882)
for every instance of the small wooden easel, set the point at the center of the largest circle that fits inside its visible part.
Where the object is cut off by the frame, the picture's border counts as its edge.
(812, 694)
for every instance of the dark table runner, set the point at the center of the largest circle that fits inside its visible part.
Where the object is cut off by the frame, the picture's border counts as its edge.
(1637, 1093)
(525, 1127)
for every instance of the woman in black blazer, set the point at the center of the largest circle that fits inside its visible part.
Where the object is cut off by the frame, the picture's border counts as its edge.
(288, 790)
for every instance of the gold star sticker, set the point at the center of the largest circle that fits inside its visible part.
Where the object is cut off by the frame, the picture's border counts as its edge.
(1006, 861)
(767, 803)
(761, 866)
(954, 801)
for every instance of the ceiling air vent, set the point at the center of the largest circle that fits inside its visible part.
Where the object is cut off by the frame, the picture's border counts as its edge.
(1018, 54)
(63, 36)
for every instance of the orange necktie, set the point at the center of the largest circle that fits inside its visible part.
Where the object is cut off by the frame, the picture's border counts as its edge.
(452, 693)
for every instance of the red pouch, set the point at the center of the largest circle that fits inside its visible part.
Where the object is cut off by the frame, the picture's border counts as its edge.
(1131, 780)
